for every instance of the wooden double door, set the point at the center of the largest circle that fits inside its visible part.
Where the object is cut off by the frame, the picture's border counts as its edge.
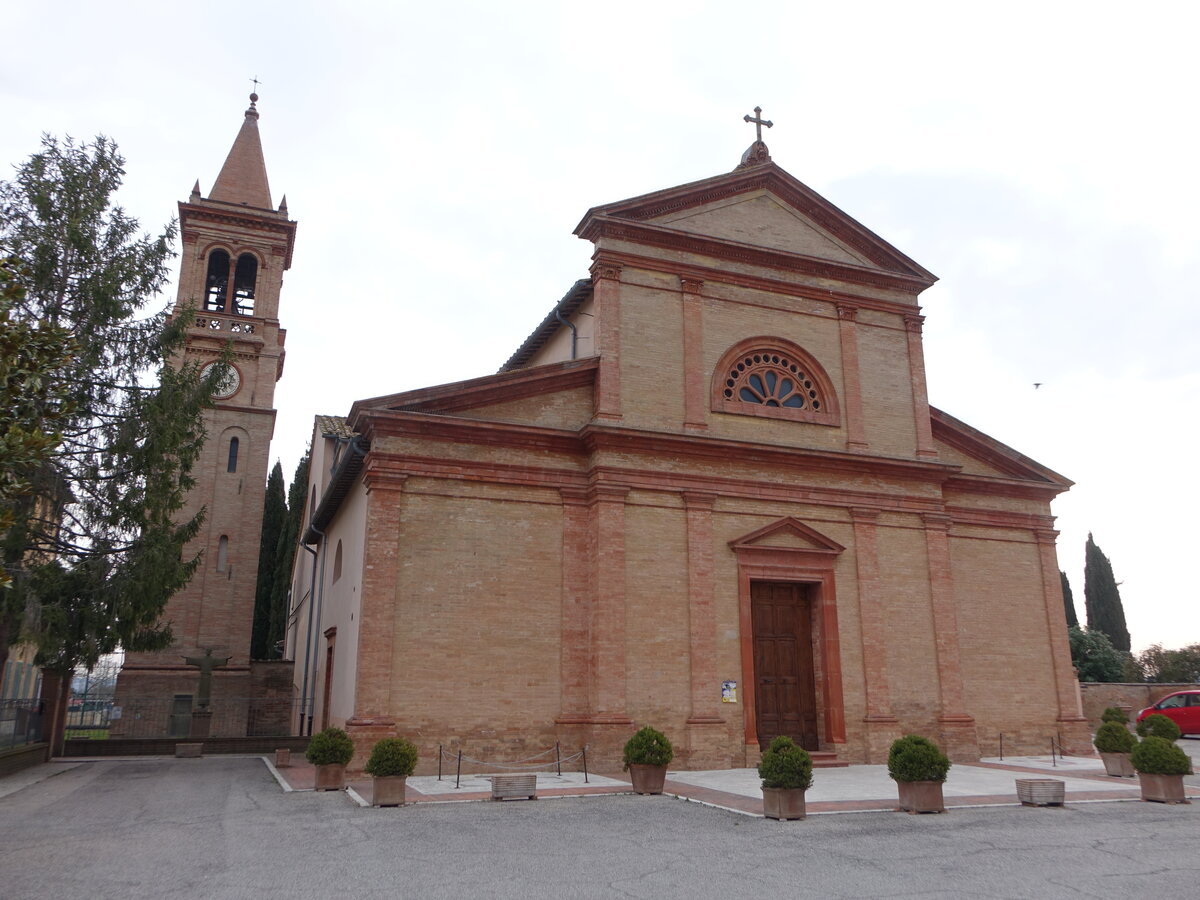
(785, 695)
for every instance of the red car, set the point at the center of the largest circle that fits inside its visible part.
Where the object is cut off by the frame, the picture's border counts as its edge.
(1182, 708)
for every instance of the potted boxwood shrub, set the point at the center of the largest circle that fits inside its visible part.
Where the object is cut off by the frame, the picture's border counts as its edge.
(919, 769)
(1115, 742)
(1161, 766)
(392, 761)
(1114, 714)
(646, 756)
(1158, 725)
(330, 751)
(786, 772)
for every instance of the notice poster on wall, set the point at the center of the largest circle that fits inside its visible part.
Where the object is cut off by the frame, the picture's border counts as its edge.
(729, 692)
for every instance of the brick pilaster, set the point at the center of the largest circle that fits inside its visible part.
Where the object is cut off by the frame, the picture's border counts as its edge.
(926, 448)
(957, 728)
(576, 608)
(381, 576)
(695, 377)
(606, 295)
(1073, 725)
(702, 636)
(856, 427)
(607, 550)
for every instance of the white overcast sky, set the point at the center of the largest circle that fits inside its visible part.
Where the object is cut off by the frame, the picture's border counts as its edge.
(1040, 158)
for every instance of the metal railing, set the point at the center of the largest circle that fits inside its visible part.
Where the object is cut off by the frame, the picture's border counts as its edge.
(20, 723)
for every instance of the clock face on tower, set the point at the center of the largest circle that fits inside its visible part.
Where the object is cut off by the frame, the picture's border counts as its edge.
(227, 386)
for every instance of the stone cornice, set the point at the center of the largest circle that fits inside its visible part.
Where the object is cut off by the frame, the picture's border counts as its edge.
(753, 282)
(612, 438)
(264, 220)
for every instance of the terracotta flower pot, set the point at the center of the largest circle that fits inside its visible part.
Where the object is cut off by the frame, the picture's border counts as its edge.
(921, 796)
(1162, 788)
(783, 803)
(331, 778)
(1117, 764)
(388, 790)
(648, 779)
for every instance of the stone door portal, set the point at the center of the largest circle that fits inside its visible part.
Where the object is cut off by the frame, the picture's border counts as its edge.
(784, 681)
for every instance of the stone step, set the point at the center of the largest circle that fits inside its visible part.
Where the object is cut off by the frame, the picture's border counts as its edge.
(826, 759)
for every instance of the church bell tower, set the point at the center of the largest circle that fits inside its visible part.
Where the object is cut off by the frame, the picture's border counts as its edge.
(235, 248)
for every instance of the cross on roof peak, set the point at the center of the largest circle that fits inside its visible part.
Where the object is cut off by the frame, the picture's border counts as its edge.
(759, 122)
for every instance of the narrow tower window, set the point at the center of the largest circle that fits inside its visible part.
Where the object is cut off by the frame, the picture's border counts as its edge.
(216, 284)
(222, 553)
(337, 563)
(244, 278)
(233, 453)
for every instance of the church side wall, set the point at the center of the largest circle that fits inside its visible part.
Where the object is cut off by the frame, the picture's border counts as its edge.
(563, 409)
(1003, 639)
(476, 663)
(340, 610)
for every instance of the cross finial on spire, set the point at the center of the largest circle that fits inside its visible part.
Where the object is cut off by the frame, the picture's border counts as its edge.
(759, 122)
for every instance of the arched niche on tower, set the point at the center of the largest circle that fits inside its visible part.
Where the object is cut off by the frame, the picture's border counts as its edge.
(233, 445)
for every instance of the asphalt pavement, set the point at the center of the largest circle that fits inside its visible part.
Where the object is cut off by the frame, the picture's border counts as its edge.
(223, 827)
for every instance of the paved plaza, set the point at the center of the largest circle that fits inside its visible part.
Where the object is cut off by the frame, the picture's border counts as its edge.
(226, 827)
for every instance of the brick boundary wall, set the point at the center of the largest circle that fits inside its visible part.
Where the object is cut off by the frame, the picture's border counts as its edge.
(1098, 696)
(166, 746)
(22, 758)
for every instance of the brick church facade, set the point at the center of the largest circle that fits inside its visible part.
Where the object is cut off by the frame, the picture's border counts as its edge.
(708, 493)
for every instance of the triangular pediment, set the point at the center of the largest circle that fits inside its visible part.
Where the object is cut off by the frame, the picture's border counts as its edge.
(762, 207)
(983, 456)
(761, 219)
(788, 534)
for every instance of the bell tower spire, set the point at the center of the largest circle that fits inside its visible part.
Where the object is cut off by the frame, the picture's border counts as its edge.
(235, 249)
(243, 178)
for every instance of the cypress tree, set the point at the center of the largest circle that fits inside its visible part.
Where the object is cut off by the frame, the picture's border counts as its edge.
(285, 555)
(1103, 600)
(1068, 601)
(275, 514)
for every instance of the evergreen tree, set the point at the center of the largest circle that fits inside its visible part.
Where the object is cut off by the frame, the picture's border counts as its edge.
(275, 513)
(285, 556)
(1103, 600)
(1094, 657)
(97, 547)
(1068, 601)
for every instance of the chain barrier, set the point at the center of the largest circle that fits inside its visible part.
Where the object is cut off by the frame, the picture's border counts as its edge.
(524, 764)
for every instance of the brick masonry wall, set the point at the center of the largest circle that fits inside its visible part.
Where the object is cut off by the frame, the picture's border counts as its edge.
(1098, 696)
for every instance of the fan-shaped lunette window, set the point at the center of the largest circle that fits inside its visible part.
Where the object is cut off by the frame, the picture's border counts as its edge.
(774, 378)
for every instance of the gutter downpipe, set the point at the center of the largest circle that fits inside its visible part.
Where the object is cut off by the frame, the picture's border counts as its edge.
(316, 632)
(312, 587)
(574, 331)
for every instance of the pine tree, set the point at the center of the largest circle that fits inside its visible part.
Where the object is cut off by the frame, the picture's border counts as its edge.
(1103, 599)
(97, 547)
(1068, 601)
(275, 514)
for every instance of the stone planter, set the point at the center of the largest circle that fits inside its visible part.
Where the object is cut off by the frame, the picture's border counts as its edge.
(648, 779)
(1117, 764)
(331, 778)
(388, 790)
(1041, 791)
(921, 796)
(783, 803)
(1162, 788)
